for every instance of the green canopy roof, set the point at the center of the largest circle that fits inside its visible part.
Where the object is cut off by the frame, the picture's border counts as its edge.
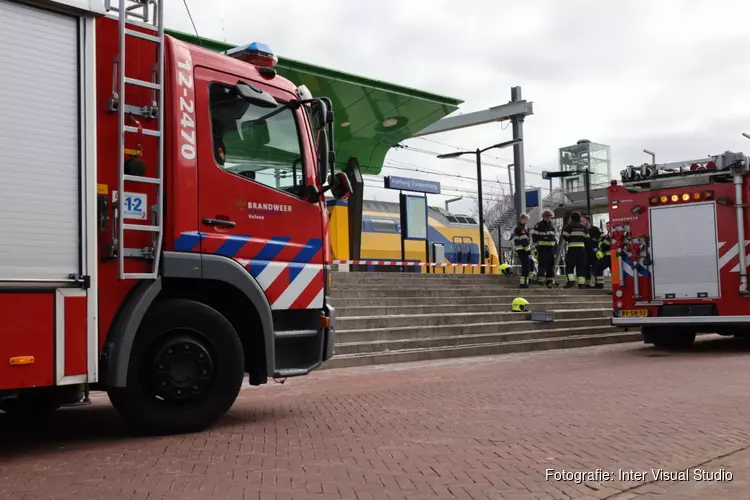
(360, 103)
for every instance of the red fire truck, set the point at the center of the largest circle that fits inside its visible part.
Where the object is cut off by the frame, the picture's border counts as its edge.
(679, 261)
(162, 216)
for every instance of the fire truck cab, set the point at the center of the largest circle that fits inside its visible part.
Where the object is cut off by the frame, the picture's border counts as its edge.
(679, 253)
(163, 229)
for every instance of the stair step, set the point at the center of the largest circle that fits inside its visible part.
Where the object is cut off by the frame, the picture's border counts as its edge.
(430, 331)
(451, 308)
(346, 348)
(408, 355)
(494, 299)
(394, 278)
(464, 318)
(366, 292)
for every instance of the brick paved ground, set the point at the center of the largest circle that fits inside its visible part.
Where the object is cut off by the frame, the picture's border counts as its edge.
(474, 428)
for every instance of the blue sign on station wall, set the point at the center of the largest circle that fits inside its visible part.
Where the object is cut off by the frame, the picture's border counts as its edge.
(409, 184)
(533, 197)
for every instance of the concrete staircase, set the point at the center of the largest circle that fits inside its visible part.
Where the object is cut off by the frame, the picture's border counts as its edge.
(392, 317)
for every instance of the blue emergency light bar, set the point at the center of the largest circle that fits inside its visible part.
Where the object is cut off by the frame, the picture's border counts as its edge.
(258, 54)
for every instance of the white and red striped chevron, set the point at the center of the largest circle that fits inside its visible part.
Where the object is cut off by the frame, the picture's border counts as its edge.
(730, 256)
(289, 285)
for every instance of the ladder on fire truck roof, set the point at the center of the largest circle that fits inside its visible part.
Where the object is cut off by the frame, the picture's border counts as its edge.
(148, 15)
(645, 175)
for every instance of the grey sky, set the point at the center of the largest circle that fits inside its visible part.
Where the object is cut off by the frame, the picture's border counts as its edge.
(666, 75)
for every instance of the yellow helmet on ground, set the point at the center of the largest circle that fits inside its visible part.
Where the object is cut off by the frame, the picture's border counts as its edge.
(504, 269)
(519, 304)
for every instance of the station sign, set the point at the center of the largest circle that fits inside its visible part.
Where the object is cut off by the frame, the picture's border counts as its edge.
(411, 184)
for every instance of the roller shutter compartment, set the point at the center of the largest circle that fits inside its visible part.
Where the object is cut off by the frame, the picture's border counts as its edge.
(685, 251)
(39, 144)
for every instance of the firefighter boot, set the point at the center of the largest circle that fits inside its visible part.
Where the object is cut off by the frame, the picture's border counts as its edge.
(551, 283)
(571, 281)
(524, 282)
(582, 283)
(599, 282)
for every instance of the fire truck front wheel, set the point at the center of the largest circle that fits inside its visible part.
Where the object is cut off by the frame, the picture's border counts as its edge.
(185, 370)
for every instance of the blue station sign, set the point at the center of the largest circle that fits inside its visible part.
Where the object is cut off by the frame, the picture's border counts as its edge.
(410, 184)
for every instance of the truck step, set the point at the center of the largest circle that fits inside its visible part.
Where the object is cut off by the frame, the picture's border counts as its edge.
(409, 355)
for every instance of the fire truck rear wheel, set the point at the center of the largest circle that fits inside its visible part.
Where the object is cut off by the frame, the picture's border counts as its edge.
(186, 369)
(668, 337)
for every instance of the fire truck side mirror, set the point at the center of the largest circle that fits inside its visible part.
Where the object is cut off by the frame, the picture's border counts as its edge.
(341, 187)
(324, 155)
(319, 113)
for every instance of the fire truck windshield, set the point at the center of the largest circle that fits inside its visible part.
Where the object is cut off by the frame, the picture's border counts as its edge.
(261, 144)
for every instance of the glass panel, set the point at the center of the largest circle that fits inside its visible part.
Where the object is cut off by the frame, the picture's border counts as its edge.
(259, 144)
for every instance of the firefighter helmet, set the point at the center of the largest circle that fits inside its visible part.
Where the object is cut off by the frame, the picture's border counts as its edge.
(505, 269)
(519, 304)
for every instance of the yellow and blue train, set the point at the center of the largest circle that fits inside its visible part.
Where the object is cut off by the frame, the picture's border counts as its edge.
(381, 240)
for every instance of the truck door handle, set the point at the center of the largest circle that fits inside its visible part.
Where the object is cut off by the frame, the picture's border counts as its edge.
(219, 222)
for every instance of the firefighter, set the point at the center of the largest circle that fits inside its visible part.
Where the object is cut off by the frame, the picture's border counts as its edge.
(545, 241)
(220, 150)
(575, 235)
(604, 258)
(523, 248)
(592, 247)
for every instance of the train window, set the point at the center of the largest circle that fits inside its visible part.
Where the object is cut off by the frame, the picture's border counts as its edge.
(384, 226)
(452, 219)
(471, 220)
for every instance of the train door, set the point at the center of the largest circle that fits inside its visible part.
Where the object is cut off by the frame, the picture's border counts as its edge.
(469, 254)
(463, 247)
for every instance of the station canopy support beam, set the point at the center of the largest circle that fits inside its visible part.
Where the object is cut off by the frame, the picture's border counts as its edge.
(515, 110)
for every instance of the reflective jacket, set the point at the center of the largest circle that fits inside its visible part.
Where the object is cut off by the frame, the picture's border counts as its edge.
(544, 234)
(595, 234)
(521, 238)
(576, 235)
(605, 243)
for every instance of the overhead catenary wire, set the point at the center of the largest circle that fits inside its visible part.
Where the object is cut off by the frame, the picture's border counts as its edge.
(187, 8)
(465, 195)
(406, 147)
(443, 174)
(458, 189)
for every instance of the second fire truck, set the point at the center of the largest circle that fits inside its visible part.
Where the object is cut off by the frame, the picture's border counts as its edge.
(163, 229)
(679, 249)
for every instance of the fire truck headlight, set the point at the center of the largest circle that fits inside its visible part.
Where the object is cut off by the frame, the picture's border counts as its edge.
(663, 199)
(618, 294)
(675, 198)
(686, 197)
(619, 304)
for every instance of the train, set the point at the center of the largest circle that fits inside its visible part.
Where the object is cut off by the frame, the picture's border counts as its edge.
(454, 236)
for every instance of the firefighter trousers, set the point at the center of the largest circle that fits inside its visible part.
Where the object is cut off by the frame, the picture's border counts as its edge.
(576, 265)
(546, 263)
(591, 265)
(525, 257)
(602, 264)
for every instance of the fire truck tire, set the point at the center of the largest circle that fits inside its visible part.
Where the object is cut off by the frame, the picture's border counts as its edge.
(668, 337)
(185, 370)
